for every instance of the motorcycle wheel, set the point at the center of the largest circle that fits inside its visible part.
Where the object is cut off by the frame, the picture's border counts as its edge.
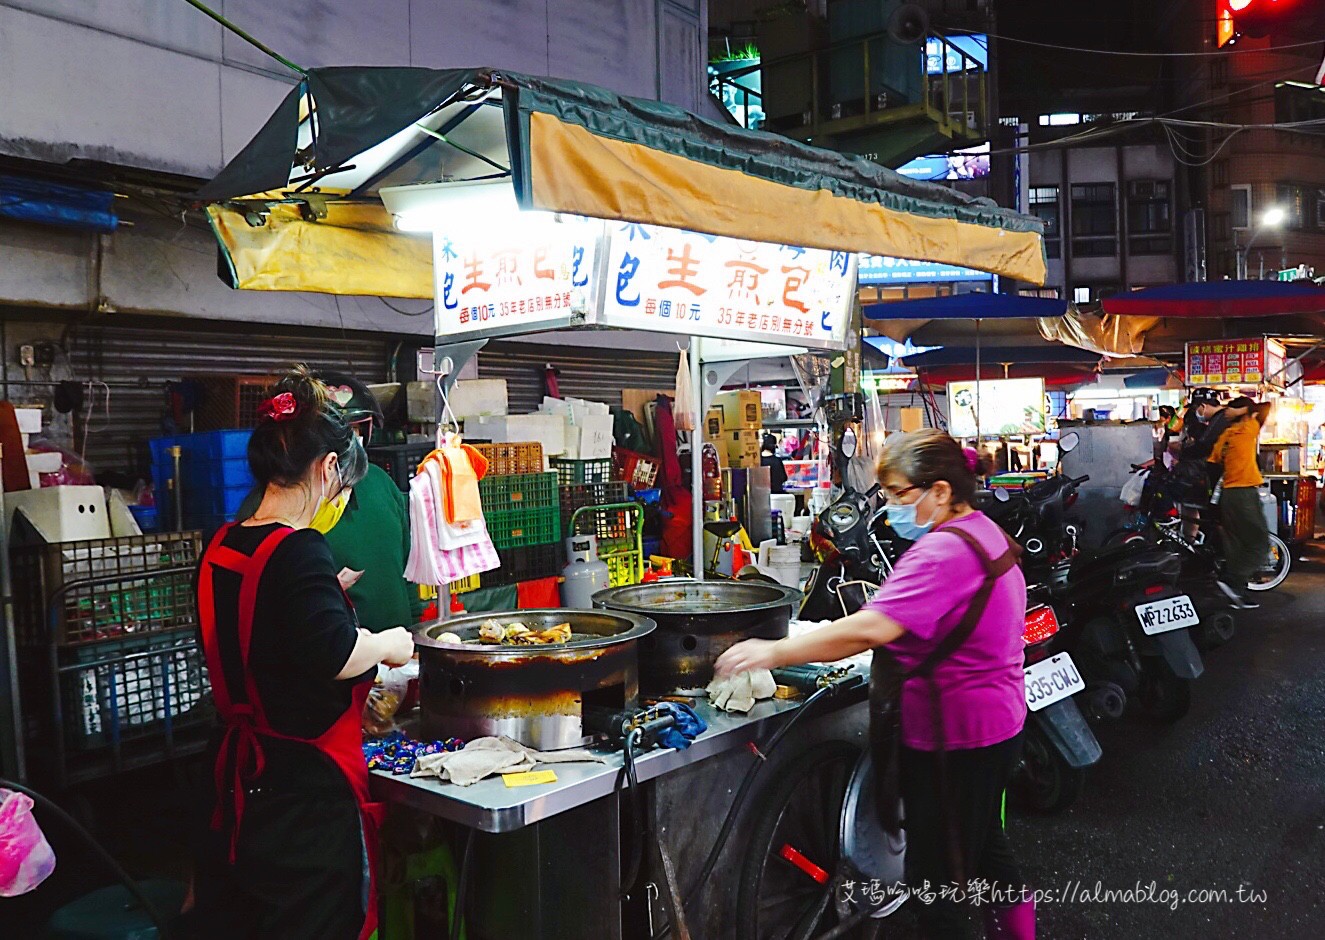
(1043, 782)
(1271, 576)
(1163, 696)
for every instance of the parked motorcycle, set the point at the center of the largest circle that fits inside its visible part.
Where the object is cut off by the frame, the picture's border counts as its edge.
(1158, 518)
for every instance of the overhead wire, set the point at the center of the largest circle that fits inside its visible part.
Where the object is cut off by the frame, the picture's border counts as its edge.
(1131, 54)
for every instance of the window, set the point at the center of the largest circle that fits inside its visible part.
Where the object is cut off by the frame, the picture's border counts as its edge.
(1081, 295)
(1094, 220)
(1044, 206)
(1052, 293)
(1219, 172)
(1149, 217)
(1299, 205)
(1296, 101)
(1241, 206)
(1059, 120)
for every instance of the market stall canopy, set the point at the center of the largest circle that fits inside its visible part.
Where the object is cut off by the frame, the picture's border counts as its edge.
(1221, 299)
(1054, 375)
(973, 306)
(996, 356)
(299, 207)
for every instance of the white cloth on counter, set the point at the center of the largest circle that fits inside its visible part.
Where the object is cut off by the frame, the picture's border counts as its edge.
(484, 757)
(739, 692)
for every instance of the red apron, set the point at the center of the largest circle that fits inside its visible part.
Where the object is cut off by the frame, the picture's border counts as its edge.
(245, 720)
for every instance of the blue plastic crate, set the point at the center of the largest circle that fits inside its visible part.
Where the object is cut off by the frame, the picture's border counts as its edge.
(225, 449)
(218, 501)
(146, 517)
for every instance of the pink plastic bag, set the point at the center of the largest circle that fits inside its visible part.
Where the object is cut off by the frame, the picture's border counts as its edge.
(26, 859)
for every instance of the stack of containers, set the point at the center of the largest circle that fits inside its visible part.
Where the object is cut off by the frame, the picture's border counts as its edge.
(523, 517)
(213, 474)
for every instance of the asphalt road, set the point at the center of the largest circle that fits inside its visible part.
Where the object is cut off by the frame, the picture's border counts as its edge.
(1231, 796)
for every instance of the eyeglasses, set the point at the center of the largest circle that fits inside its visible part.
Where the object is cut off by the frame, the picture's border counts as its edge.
(894, 495)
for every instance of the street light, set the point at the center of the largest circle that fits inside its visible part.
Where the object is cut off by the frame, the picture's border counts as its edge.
(1272, 217)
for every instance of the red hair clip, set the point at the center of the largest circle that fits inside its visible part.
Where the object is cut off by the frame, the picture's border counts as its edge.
(280, 407)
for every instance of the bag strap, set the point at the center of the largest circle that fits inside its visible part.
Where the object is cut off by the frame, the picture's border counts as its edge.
(994, 569)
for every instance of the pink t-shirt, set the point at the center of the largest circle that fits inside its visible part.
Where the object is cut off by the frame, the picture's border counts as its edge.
(980, 689)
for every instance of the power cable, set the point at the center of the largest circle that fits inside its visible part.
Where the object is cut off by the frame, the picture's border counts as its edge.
(255, 43)
(1148, 55)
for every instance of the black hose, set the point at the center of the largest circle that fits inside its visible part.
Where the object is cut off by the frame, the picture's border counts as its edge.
(725, 833)
(461, 887)
(162, 924)
(638, 826)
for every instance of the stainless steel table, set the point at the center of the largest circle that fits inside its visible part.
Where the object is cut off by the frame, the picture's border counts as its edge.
(491, 806)
(561, 844)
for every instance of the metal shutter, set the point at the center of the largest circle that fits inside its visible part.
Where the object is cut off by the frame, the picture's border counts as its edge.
(137, 361)
(597, 374)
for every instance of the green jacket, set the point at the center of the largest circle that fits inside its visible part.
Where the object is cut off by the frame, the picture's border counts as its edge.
(373, 537)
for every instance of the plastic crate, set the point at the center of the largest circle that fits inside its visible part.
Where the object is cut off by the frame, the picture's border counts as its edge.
(136, 686)
(400, 461)
(528, 563)
(524, 491)
(509, 459)
(464, 585)
(145, 516)
(223, 501)
(578, 495)
(570, 472)
(216, 458)
(639, 470)
(140, 601)
(518, 528)
(619, 529)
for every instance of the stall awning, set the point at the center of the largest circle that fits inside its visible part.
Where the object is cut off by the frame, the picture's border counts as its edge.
(973, 306)
(298, 208)
(994, 357)
(1223, 299)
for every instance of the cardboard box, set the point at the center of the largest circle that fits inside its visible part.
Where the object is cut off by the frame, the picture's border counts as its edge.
(912, 419)
(741, 409)
(591, 439)
(548, 430)
(713, 425)
(742, 445)
(29, 420)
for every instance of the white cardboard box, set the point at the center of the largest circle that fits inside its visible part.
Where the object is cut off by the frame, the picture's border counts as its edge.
(548, 430)
(591, 439)
(29, 420)
(63, 513)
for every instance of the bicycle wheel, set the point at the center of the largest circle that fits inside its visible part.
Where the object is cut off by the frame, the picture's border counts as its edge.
(796, 818)
(1273, 574)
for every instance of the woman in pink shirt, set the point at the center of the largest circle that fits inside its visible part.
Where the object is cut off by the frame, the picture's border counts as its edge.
(962, 716)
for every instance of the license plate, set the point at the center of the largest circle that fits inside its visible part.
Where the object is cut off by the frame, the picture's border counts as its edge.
(1052, 680)
(1172, 613)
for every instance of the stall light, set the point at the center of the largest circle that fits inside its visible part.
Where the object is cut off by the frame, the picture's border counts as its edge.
(478, 208)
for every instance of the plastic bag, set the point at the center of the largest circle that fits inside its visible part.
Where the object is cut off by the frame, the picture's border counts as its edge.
(385, 698)
(683, 412)
(26, 859)
(1133, 488)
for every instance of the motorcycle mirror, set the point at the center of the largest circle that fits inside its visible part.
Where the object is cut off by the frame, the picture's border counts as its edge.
(1001, 496)
(1069, 441)
(849, 443)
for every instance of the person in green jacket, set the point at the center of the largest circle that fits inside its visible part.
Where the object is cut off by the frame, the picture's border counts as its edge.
(371, 541)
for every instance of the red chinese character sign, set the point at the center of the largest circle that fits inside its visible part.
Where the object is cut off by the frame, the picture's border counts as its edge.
(668, 280)
(535, 277)
(1235, 362)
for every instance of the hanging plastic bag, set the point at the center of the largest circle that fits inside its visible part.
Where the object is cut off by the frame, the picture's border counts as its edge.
(1133, 488)
(684, 410)
(26, 859)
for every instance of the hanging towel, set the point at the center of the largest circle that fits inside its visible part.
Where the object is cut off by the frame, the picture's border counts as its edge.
(460, 486)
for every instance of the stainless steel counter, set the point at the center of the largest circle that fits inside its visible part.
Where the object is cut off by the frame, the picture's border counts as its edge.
(491, 806)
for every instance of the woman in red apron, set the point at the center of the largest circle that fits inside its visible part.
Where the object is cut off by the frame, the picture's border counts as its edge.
(291, 837)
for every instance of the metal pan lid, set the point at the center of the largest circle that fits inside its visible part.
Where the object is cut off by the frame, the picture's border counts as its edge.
(590, 629)
(686, 596)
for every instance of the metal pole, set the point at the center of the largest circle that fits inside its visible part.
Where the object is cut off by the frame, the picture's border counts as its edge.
(11, 730)
(697, 459)
(977, 383)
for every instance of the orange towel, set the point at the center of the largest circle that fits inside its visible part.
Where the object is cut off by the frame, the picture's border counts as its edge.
(460, 468)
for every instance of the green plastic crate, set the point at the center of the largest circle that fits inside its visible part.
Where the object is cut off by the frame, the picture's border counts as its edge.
(519, 491)
(518, 528)
(571, 472)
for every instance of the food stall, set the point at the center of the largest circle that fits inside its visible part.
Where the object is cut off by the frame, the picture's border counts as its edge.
(521, 205)
(1258, 366)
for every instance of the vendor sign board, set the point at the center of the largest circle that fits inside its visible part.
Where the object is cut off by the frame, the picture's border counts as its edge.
(1235, 362)
(674, 281)
(1003, 407)
(532, 278)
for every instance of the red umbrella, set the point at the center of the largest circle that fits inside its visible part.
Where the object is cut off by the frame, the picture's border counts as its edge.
(1223, 299)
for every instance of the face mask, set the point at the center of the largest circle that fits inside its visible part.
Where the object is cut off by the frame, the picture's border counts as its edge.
(329, 512)
(903, 519)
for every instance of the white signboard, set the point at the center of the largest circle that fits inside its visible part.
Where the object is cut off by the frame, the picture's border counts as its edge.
(537, 275)
(1005, 407)
(669, 280)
